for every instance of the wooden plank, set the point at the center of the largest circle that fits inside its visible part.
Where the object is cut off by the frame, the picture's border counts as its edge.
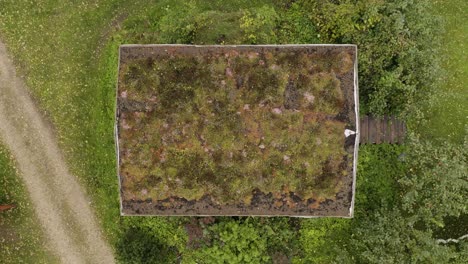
(396, 128)
(369, 130)
(373, 130)
(364, 129)
(403, 132)
(398, 131)
(383, 130)
(361, 123)
(378, 131)
(393, 135)
(388, 129)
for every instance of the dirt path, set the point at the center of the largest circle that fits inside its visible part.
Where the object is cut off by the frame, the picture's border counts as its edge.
(59, 201)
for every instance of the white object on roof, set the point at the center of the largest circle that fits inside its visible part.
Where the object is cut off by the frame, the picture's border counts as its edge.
(348, 132)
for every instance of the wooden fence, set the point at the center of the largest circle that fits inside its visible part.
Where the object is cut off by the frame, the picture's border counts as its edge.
(382, 130)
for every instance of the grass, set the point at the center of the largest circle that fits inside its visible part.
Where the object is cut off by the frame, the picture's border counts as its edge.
(21, 237)
(447, 117)
(224, 126)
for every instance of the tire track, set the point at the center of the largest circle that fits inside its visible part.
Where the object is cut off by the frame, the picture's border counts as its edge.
(58, 199)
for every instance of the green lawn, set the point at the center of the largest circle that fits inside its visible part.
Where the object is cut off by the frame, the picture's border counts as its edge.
(447, 116)
(21, 238)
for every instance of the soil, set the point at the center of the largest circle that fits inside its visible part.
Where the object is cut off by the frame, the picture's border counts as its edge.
(195, 233)
(261, 203)
(59, 201)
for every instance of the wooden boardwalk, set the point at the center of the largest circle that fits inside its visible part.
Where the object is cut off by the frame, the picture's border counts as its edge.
(382, 130)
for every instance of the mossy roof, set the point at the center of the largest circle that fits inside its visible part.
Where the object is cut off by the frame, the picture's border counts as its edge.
(237, 130)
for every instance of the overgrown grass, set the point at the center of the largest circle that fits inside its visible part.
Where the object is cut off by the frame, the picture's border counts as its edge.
(21, 237)
(217, 152)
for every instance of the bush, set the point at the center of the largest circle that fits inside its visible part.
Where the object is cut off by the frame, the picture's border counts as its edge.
(258, 25)
(401, 199)
(196, 23)
(388, 237)
(137, 245)
(233, 242)
(379, 167)
(320, 239)
(436, 184)
(295, 27)
(151, 240)
(247, 240)
(179, 25)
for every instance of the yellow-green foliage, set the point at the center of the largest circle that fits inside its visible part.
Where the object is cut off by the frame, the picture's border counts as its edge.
(226, 124)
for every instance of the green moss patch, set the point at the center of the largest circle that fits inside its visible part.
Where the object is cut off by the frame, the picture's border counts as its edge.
(225, 126)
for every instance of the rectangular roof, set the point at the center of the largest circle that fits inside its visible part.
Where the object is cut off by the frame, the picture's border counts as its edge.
(237, 130)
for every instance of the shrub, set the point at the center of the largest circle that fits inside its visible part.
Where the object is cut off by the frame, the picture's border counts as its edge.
(151, 240)
(188, 23)
(295, 27)
(320, 239)
(178, 25)
(429, 183)
(436, 184)
(388, 237)
(233, 242)
(258, 25)
(137, 245)
(247, 240)
(379, 167)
